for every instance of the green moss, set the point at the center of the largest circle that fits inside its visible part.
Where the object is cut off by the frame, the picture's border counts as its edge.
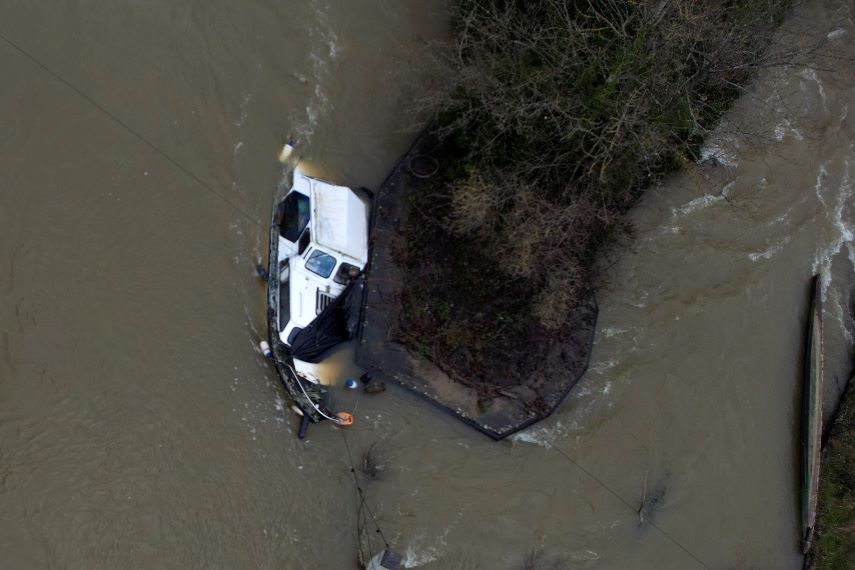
(835, 539)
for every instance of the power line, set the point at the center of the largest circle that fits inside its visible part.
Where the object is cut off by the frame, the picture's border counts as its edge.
(629, 506)
(128, 128)
(361, 493)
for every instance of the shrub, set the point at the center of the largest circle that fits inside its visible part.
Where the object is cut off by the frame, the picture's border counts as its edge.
(552, 119)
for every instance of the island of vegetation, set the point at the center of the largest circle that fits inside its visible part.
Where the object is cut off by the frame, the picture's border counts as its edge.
(549, 121)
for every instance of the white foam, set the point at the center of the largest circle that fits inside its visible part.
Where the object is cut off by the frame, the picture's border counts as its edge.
(612, 332)
(247, 98)
(542, 436)
(586, 555)
(601, 367)
(844, 232)
(770, 251)
(332, 45)
(417, 555)
(820, 175)
(785, 128)
(726, 157)
(842, 316)
(783, 218)
(696, 204)
(325, 49)
(413, 558)
(809, 74)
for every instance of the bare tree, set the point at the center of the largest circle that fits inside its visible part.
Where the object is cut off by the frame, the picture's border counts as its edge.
(552, 118)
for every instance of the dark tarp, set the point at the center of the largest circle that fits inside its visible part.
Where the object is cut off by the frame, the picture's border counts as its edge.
(336, 324)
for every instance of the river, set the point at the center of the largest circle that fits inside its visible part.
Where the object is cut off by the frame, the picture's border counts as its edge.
(140, 428)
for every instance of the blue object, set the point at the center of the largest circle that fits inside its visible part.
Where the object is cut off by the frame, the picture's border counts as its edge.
(350, 384)
(262, 272)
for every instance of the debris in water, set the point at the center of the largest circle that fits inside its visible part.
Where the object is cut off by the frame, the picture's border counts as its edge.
(651, 500)
(371, 465)
(286, 151)
(374, 386)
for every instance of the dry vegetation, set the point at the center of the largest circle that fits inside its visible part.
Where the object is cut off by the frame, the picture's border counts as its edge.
(552, 118)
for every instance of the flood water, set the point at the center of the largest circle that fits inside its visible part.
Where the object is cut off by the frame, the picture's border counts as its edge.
(140, 428)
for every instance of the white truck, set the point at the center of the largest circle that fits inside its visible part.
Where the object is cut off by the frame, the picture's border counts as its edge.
(322, 246)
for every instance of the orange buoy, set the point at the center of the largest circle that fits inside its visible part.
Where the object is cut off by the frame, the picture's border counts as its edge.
(344, 419)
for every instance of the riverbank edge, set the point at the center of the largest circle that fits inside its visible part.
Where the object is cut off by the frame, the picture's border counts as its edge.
(834, 547)
(510, 408)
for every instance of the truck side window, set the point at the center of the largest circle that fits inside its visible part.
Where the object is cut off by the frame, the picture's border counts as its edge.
(304, 241)
(293, 215)
(345, 273)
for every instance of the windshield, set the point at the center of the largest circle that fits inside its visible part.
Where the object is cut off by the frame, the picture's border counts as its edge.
(321, 263)
(295, 215)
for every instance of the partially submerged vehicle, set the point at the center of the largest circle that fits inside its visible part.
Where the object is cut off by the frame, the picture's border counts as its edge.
(318, 250)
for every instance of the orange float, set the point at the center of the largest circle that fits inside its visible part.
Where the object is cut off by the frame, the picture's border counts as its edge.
(344, 419)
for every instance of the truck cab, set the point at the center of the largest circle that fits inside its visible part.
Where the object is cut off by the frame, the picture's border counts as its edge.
(323, 244)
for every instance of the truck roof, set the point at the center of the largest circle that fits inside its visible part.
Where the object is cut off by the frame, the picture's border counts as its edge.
(339, 219)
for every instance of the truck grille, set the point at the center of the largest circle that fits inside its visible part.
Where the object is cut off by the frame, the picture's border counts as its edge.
(322, 301)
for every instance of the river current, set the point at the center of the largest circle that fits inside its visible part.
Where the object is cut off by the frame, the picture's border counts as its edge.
(140, 428)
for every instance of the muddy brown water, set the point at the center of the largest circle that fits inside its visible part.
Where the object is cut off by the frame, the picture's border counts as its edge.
(139, 428)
